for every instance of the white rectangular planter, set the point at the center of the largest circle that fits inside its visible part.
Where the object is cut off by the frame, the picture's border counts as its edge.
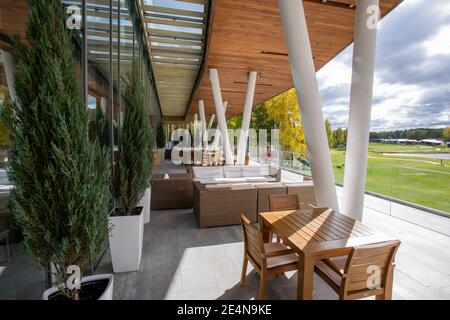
(107, 294)
(145, 203)
(125, 241)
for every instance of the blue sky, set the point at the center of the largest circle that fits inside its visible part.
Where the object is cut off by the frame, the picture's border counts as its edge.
(412, 76)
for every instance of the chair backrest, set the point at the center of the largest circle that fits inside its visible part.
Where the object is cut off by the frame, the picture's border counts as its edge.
(253, 241)
(369, 267)
(281, 202)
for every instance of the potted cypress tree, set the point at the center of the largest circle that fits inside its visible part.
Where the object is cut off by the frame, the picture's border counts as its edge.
(60, 178)
(133, 172)
(161, 142)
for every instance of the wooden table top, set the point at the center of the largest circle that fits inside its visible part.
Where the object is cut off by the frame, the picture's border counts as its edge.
(320, 231)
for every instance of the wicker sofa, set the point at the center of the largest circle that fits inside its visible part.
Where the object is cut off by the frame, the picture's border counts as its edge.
(222, 204)
(222, 193)
(172, 193)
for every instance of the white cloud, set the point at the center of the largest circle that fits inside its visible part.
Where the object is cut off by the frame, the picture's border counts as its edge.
(440, 43)
(411, 85)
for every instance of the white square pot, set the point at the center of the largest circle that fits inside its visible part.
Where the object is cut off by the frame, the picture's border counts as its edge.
(125, 242)
(145, 203)
(106, 295)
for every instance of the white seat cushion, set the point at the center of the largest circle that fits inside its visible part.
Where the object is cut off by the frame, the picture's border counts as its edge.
(230, 180)
(232, 171)
(252, 171)
(207, 172)
(261, 179)
(265, 170)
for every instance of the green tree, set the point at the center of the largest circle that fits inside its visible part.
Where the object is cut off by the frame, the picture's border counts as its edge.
(60, 179)
(339, 138)
(160, 136)
(329, 131)
(135, 146)
(235, 123)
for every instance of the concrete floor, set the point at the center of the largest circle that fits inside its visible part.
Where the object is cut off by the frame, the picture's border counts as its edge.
(181, 261)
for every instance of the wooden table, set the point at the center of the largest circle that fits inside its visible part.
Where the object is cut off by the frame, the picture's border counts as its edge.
(316, 234)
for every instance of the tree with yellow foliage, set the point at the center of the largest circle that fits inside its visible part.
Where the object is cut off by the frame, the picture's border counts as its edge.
(283, 110)
(446, 134)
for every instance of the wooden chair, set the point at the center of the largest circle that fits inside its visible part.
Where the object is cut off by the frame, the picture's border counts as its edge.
(282, 202)
(367, 271)
(268, 259)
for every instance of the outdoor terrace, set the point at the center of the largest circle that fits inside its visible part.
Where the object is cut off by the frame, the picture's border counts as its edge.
(181, 261)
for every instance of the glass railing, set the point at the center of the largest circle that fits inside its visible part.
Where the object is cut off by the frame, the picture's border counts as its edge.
(403, 191)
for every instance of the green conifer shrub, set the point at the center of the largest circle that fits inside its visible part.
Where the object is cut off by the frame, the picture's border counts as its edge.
(60, 179)
(134, 164)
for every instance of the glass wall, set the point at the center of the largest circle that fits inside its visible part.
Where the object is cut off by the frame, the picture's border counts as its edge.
(114, 39)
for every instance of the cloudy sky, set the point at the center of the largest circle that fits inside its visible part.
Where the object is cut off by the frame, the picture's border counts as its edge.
(412, 77)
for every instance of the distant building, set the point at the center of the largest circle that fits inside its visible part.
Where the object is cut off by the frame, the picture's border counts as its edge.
(432, 142)
(399, 141)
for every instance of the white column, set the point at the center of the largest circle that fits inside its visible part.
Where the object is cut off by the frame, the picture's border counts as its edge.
(305, 81)
(220, 114)
(211, 120)
(201, 111)
(367, 15)
(10, 71)
(246, 117)
(213, 116)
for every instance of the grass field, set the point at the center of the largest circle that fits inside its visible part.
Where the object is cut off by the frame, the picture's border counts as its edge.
(422, 181)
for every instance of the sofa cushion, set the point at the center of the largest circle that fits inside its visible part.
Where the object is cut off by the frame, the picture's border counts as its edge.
(230, 180)
(261, 179)
(232, 171)
(298, 184)
(207, 172)
(251, 171)
(273, 170)
(255, 171)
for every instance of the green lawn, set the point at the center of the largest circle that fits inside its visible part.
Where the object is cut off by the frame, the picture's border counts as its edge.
(394, 148)
(418, 180)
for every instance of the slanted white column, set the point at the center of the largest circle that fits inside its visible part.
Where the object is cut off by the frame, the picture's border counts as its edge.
(305, 81)
(213, 116)
(10, 72)
(367, 15)
(220, 114)
(246, 117)
(211, 121)
(201, 111)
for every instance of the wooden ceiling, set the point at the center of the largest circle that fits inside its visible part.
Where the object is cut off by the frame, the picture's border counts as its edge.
(242, 36)
(13, 18)
(248, 36)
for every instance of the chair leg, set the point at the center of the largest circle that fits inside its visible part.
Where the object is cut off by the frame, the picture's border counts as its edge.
(387, 295)
(262, 286)
(244, 270)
